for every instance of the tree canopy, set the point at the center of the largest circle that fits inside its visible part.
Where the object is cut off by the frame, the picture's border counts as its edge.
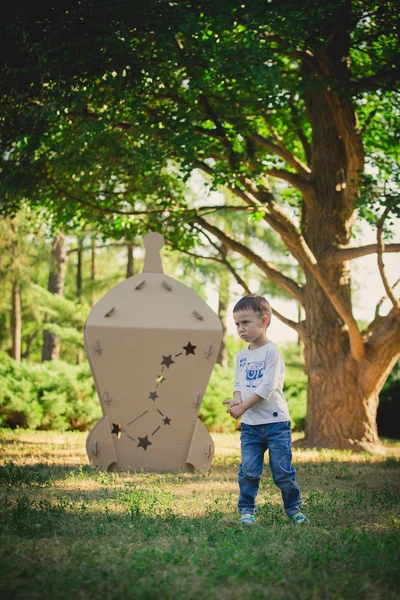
(107, 107)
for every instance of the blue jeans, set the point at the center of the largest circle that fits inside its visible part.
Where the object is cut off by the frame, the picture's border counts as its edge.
(255, 440)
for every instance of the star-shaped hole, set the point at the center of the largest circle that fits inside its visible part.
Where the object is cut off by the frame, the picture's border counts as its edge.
(167, 421)
(144, 442)
(167, 361)
(153, 396)
(189, 349)
(117, 428)
(160, 379)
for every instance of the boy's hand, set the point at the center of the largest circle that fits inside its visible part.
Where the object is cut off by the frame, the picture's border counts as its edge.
(236, 411)
(234, 402)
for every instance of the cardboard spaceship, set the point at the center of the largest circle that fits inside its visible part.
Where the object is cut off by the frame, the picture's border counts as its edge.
(151, 344)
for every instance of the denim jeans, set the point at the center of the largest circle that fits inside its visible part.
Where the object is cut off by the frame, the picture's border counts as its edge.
(255, 440)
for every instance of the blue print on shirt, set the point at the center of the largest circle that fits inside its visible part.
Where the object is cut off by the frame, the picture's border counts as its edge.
(242, 362)
(254, 372)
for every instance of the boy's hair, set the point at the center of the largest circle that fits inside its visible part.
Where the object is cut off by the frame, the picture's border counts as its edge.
(255, 303)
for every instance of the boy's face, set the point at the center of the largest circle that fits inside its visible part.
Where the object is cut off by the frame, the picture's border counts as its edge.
(250, 325)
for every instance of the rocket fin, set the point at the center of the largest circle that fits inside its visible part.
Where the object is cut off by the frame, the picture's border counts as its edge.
(100, 446)
(201, 450)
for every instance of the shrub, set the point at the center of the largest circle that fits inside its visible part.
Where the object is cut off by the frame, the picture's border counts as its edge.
(212, 411)
(388, 418)
(58, 395)
(51, 395)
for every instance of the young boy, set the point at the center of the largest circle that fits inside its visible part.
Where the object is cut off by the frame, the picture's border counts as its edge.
(258, 398)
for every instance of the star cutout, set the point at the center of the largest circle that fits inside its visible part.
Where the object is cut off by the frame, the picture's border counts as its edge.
(160, 379)
(167, 421)
(167, 361)
(189, 348)
(116, 429)
(153, 396)
(144, 442)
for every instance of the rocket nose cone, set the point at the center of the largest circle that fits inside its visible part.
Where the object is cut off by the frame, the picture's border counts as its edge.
(153, 242)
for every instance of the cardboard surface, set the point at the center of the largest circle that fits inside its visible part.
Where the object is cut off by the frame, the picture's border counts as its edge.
(151, 344)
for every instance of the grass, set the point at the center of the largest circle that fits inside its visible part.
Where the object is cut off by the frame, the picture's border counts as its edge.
(70, 531)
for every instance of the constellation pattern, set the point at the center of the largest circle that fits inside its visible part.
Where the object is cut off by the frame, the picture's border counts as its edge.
(166, 363)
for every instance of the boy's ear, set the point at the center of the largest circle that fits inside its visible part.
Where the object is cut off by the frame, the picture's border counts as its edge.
(266, 320)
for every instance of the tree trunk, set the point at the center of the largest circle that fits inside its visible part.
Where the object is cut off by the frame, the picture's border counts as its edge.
(223, 302)
(130, 262)
(16, 322)
(79, 270)
(51, 343)
(93, 272)
(342, 407)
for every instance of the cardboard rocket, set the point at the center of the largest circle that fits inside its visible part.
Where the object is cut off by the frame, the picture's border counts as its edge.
(151, 344)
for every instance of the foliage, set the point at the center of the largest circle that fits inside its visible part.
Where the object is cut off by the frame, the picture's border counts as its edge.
(212, 411)
(52, 395)
(74, 531)
(58, 395)
(96, 118)
(388, 417)
(107, 108)
(295, 386)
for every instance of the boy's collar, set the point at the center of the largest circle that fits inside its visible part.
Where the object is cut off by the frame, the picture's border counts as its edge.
(258, 347)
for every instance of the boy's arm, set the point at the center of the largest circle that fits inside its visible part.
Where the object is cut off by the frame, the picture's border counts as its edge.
(237, 396)
(238, 410)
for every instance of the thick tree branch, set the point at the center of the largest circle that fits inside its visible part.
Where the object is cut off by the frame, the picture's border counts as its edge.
(302, 168)
(342, 254)
(287, 156)
(293, 288)
(348, 130)
(382, 300)
(298, 327)
(299, 130)
(381, 248)
(299, 248)
(309, 263)
(382, 351)
(294, 179)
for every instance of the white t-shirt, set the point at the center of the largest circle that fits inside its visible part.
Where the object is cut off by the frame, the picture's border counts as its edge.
(261, 371)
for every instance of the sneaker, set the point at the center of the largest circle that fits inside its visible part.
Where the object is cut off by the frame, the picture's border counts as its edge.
(299, 518)
(247, 519)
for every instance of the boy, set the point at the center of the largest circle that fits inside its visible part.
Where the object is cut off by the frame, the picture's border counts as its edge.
(265, 424)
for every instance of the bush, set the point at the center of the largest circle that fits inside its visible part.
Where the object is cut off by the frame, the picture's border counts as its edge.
(212, 411)
(50, 395)
(295, 386)
(388, 418)
(58, 395)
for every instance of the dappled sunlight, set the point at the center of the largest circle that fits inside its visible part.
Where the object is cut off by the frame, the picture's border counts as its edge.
(63, 520)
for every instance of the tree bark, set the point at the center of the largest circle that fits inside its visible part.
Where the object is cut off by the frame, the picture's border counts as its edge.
(223, 302)
(93, 272)
(79, 270)
(130, 262)
(16, 322)
(51, 343)
(341, 411)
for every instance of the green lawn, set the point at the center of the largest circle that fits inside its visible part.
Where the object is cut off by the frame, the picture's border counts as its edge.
(70, 531)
